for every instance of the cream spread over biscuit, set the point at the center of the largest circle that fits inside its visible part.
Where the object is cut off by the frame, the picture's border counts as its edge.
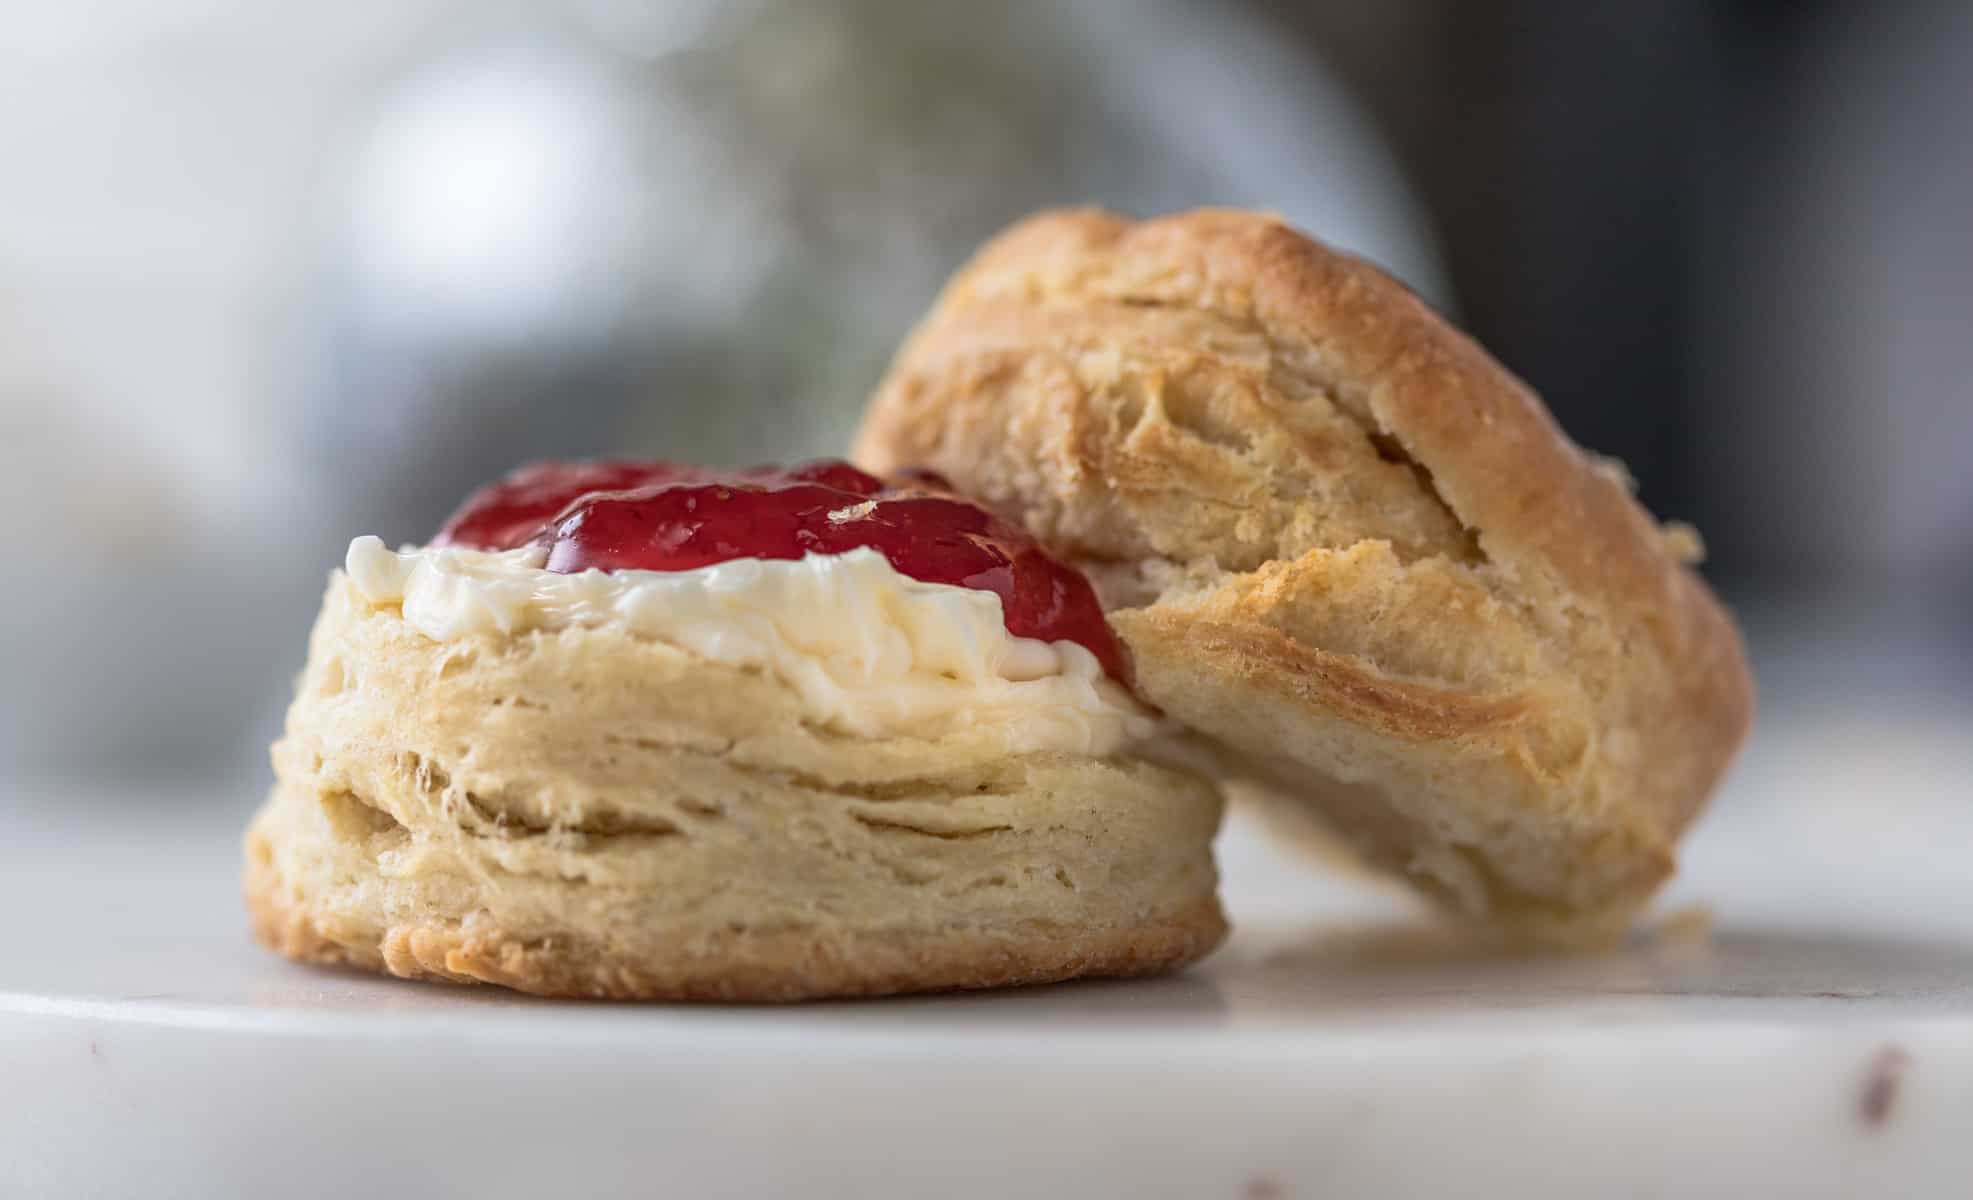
(870, 651)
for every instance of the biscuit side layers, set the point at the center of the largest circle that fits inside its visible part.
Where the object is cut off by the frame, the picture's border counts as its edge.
(582, 812)
(1345, 544)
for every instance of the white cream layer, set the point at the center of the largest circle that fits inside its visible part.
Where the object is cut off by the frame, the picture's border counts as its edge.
(869, 650)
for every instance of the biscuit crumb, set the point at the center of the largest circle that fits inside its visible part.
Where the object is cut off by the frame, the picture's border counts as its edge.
(1683, 543)
(1615, 470)
(1687, 925)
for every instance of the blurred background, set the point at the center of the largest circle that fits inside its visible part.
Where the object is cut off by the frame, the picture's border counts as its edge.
(272, 275)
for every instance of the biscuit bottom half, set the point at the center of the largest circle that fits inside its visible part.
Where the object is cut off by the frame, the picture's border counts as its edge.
(583, 813)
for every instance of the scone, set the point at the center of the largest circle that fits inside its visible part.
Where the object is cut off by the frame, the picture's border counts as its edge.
(1344, 545)
(635, 731)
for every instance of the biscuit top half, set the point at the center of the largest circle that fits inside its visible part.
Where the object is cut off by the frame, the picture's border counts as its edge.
(1341, 542)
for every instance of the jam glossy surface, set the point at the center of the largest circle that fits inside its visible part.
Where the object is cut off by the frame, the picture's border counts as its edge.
(657, 516)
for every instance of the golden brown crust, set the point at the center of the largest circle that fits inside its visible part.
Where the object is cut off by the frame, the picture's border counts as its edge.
(1345, 543)
(583, 812)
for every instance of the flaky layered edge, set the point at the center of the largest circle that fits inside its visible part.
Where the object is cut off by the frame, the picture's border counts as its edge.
(584, 813)
(1555, 799)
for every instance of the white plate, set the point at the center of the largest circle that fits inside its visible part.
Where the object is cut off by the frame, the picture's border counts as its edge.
(1818, 1042)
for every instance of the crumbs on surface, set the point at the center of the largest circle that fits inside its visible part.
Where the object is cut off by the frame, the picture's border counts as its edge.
(1687, 925)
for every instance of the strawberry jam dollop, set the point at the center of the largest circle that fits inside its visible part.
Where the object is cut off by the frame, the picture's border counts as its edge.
(613, 515)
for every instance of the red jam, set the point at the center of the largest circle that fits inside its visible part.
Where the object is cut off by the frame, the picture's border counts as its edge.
(657, 516)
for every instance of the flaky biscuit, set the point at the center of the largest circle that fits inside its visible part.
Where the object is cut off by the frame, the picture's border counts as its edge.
(584, 812)
(1344, 544)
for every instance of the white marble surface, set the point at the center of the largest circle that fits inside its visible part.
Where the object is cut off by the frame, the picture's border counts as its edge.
(1818, 1041)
